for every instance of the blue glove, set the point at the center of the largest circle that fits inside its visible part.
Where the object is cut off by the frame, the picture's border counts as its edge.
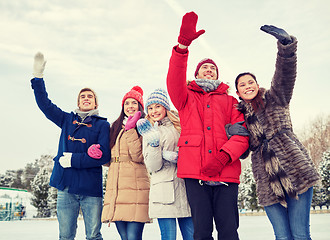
(149, 133)
(279, 33)
(236, 129)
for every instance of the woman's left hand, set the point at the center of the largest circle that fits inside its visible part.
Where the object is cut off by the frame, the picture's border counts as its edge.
(279, 33)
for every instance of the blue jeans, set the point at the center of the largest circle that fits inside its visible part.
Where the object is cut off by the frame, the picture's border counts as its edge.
(130, 230)
(68, 206)
(292, 222)
(168, 228)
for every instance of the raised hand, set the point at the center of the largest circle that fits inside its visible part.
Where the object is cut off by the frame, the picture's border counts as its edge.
(279, 33)
(39, 65)
(131, 121)
(188, 29)
(149, 133)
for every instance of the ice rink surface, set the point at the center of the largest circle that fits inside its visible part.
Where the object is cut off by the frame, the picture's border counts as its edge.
(251, 228)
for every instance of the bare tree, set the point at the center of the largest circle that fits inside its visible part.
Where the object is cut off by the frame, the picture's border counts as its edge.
(316, 137)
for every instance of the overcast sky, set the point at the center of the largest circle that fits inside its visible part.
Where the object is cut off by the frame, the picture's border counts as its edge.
(111, 46)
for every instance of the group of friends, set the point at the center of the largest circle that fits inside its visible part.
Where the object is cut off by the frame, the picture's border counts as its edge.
(183, 167)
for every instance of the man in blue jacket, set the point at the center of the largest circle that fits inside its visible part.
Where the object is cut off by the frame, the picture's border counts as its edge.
(83, 149)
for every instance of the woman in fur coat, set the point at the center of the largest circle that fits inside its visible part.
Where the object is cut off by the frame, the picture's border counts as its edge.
(282, 168)
(167, 199)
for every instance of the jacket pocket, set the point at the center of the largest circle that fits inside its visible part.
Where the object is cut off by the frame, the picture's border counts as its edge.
(162, 192)
(189, 160)
(190, 141)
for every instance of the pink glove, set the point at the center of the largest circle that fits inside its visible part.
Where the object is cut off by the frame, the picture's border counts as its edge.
(188, 29)
(131, 121)
(215, 167)
(94, 151)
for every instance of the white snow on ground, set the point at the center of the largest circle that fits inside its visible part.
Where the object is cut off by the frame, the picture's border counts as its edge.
(251, 228)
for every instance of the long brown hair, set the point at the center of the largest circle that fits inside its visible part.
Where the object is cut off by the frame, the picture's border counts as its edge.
(117, 125)
(257, 102)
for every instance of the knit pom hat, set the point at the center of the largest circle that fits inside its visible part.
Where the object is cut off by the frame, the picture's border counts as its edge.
(158, 96)
(206, 60)
(136, 93)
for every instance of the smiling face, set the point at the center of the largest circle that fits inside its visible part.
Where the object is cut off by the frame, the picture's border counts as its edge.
(247, 88)
(86, 101)
(156, 112)
(130, 106)
(207, 71)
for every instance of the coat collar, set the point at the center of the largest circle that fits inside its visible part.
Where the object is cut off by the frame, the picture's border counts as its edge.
(89, 118)
(222, 88)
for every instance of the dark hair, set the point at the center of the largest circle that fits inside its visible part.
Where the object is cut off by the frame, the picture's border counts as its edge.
(256, 102)
(243, 74)
(116, 126)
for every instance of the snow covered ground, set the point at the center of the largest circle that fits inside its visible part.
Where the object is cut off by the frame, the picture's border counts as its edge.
(251, 227)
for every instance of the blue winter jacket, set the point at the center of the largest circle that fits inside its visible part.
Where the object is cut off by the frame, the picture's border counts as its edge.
(84, 177)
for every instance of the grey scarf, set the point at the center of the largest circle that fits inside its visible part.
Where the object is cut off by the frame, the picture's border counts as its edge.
(208, 85)
(83, 115)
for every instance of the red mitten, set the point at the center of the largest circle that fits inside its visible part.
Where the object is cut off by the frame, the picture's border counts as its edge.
(188, 29)
(215, 167)
(131, 121)
(94, 151)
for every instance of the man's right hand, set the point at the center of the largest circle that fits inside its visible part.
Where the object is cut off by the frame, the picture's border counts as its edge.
(39, 65)
(188, 29)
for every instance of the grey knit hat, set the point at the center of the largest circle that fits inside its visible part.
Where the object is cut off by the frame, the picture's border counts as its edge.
(158, 96)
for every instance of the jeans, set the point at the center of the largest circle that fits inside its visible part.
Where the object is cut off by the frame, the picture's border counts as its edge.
(291, 222)
(168, 228)
(68, 206)
(218, 203)
(130, 230)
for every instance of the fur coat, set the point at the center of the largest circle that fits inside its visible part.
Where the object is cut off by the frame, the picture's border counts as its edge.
(280, 163)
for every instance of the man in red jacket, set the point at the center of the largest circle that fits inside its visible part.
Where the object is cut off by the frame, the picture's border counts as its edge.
(208, 160)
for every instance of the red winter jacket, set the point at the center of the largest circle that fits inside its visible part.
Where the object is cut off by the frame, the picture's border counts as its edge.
(203, 117)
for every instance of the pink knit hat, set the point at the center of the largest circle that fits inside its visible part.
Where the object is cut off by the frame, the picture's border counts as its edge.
(136, 93)
(206, 60)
